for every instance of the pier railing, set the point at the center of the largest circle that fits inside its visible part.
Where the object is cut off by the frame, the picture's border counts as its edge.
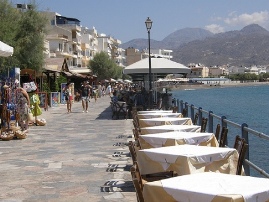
(214, 119)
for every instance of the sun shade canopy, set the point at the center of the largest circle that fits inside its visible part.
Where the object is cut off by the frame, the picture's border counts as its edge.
(160, 67)
(5, 50)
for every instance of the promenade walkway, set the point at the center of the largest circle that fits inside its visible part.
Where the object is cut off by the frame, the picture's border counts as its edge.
(75, 157)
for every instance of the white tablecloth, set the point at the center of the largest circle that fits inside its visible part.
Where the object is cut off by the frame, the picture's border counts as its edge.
(187, 159)
(209, 186)
(157, 115)
(155, 111)
(170, 128)
(177, 138)
(164, 121)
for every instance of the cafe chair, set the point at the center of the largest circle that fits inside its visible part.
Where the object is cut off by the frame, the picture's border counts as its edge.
(203, 125)
(149, 177)
(138, 190)
(184, 112)
(175, 109)
(158, 105)
(121, 109)
(223, 137)
(137, 181)
(136, 133)
(241, 146)
(217, 132)
(132, 150)
(195, 119)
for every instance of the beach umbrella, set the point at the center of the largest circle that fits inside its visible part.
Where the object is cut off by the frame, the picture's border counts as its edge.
(5, 50)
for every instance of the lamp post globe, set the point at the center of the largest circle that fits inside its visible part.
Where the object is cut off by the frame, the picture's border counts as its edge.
(148, 23)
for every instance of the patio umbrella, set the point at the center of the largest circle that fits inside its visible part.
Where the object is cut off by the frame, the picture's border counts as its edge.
(5, 50)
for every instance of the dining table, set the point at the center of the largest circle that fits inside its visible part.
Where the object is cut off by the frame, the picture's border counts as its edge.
(169, 128)
(164, 121)
(154, 111)
(187, 159)
(177, 138)
(208, 186)
(158, 115)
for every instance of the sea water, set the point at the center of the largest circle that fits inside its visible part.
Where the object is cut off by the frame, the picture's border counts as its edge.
(248, 104)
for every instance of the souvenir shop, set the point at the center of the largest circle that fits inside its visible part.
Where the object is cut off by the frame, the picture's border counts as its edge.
(20, 104)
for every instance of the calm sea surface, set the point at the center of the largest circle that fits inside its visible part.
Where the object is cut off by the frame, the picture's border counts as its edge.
(249, 104)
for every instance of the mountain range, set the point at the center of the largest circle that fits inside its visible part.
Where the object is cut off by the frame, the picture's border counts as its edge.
(245, 47)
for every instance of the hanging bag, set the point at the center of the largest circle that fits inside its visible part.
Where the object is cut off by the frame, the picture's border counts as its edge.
(29, 87)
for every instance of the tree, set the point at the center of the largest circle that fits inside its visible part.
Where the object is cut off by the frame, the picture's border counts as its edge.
(24, 31)
(104, 67)
(30, 39)
(8, 26)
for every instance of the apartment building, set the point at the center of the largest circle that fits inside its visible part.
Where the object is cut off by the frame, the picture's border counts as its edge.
(163, 53)
(198, 70)
(110, 46)
(134, 55)
(77, 45)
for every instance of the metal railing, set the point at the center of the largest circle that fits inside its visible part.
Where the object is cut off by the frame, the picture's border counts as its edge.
(214, 119)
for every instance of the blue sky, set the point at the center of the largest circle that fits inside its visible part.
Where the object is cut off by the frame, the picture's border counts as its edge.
(125, 19)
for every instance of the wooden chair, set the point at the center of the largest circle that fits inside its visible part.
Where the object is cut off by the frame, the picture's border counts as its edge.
(131, 147)
(184, 112)
(158, 104)
(175, 109)
(217, 132)
(142, 179)
(137, 184)
(136, 133)
(121, 109)
(223, 137)
(136, 121)
(203, 125)
(195, 119)
(241, 146)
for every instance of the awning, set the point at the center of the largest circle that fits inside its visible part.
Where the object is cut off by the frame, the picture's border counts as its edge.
(5, 50)
(160, 67)
(54, 64)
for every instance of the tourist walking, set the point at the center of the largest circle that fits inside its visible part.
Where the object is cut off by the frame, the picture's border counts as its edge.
(99, 90)
(109, 90)
(68, 97)
(85, 96)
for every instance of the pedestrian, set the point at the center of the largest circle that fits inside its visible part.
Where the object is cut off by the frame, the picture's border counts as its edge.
(85, 96)
(103, 90)
(68, 97)
(99, 90)
(109, 90)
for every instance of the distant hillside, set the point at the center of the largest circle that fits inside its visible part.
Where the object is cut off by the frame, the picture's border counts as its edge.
(248, 46)
(183, 36)
(172, 41)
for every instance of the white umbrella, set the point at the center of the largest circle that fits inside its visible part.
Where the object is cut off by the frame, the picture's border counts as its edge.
(127, 81)
(5, 50)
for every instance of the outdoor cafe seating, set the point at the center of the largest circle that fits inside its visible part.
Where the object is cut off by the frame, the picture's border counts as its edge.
(184, 151)
(207, 186)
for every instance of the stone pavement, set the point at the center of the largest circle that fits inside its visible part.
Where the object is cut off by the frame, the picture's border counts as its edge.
(75, 157)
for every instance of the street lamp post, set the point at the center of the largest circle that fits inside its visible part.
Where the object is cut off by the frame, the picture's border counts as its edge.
(148, 23)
